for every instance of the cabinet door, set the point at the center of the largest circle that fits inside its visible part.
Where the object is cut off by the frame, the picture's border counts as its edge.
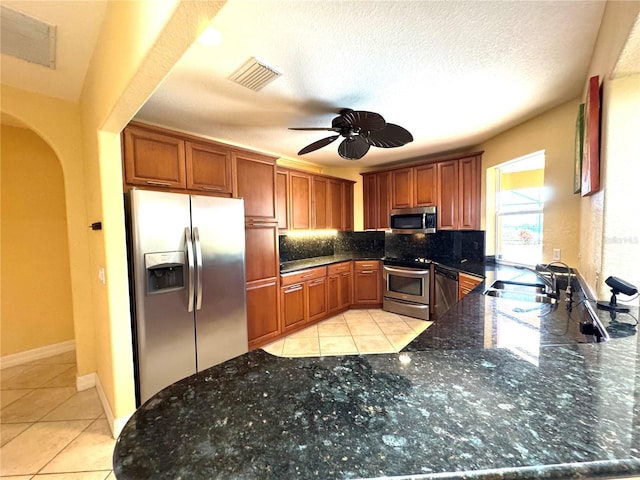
(469, 193)
(448, 195)
(348, 206)
(367, 282)
(370, 201)
(255, 182)
(320, 196)
(336, 204)
(402, 188)
(383, 194)
(292, 302)
(345, 290)
(282, 196)
(208, 168)
(261, 251)
(316, 299)
(153, 159)
(333, 302)
(426, 193)
(262, 311)
(300, 206)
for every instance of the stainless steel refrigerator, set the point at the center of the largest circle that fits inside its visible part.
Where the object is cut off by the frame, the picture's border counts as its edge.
(188, 285)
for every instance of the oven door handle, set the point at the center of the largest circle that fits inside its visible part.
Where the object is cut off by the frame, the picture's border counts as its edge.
(407, 271)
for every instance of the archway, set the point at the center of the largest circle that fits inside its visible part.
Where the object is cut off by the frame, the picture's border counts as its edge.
(37, 309)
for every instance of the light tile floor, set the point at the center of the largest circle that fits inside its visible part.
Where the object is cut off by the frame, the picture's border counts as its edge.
(353, 332)
(47, 429)
(50, 431)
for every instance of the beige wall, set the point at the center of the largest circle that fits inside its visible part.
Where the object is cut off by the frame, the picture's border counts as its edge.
(57, 122)
(36, 291)
(553, 132)
(138, 45)
(620, 175)
(617, 22)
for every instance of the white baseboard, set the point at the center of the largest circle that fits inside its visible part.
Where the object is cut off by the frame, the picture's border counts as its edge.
(36, 354)
(85, 382)
(115, 424)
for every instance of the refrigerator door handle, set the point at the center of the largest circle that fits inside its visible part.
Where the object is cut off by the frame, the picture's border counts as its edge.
(196, 240)
(192, 272)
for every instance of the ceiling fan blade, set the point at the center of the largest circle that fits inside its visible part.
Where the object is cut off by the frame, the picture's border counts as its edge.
(328, 129)
(389, 137)
(366, 121)
(319, 144)
(353, 148)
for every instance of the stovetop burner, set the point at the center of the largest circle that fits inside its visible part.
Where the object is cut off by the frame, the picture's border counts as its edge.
(419, 262)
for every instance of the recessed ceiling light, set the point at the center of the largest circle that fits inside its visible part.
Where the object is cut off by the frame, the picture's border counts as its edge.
(210, 37)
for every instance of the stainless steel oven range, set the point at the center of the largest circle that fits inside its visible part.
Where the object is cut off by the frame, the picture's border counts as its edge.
(407, 286)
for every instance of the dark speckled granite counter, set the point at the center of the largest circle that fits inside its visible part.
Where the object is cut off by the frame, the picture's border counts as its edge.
(490, 391)
(295, 265)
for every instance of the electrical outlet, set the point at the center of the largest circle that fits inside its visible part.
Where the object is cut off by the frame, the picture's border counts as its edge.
(101, 275)
(556, 254)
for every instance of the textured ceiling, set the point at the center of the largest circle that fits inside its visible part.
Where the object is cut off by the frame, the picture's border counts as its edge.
(78, 25)
(452, 73)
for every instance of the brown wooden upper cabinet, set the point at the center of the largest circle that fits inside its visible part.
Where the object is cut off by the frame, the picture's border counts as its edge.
(452, 185)
(425, 185)
(153, 158)
(448, 205)
(255, 182)
(208, 168)
(377, 200)
(320, 203)
(402, 188)
(311, 201)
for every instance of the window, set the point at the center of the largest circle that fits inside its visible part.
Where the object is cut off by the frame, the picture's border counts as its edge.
(519, 209)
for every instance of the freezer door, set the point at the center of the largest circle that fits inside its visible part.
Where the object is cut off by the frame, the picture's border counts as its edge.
(164, 275)
(221, 317)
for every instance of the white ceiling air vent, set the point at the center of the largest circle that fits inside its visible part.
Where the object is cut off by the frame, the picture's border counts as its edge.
(27, 38)
(254, 74)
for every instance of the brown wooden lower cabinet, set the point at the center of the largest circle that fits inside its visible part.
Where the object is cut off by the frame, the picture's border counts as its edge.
(262, 307)
(340, 286)
(303, 297)
(308, 296)
(466, 283)
(292, 300)
(317, 299)
(367, 285)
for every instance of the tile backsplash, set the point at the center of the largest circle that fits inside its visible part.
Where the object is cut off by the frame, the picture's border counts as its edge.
(444, 245)
(362, 243)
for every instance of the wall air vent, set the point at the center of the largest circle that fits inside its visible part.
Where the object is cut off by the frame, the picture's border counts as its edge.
(27, 38)
(254, 74)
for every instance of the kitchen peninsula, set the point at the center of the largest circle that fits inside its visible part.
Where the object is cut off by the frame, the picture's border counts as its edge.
(492, 390)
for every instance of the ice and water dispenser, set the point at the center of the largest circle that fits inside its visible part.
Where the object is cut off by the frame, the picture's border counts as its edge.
(165, 271)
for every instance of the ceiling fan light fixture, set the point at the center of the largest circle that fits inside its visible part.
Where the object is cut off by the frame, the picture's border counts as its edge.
(254, 74)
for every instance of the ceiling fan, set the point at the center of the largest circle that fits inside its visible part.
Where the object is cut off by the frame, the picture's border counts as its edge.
(361, 130)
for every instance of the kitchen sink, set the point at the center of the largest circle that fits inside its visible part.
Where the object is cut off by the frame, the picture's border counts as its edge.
(518, 286)
(524, 292)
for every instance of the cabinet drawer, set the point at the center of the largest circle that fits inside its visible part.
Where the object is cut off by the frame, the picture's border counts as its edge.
(361, 265)
(302, 276)
(339, 268)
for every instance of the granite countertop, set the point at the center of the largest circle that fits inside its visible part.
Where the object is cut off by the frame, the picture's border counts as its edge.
(491, 390)
(295, 265)
(474, 268)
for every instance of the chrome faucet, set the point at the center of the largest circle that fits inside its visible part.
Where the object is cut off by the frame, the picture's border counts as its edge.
(568, 292)
(550, 284)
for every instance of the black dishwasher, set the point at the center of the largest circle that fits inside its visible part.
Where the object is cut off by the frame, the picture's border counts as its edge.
(445, 290)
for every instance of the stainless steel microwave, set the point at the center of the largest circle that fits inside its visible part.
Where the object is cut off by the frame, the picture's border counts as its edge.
(413, 220)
